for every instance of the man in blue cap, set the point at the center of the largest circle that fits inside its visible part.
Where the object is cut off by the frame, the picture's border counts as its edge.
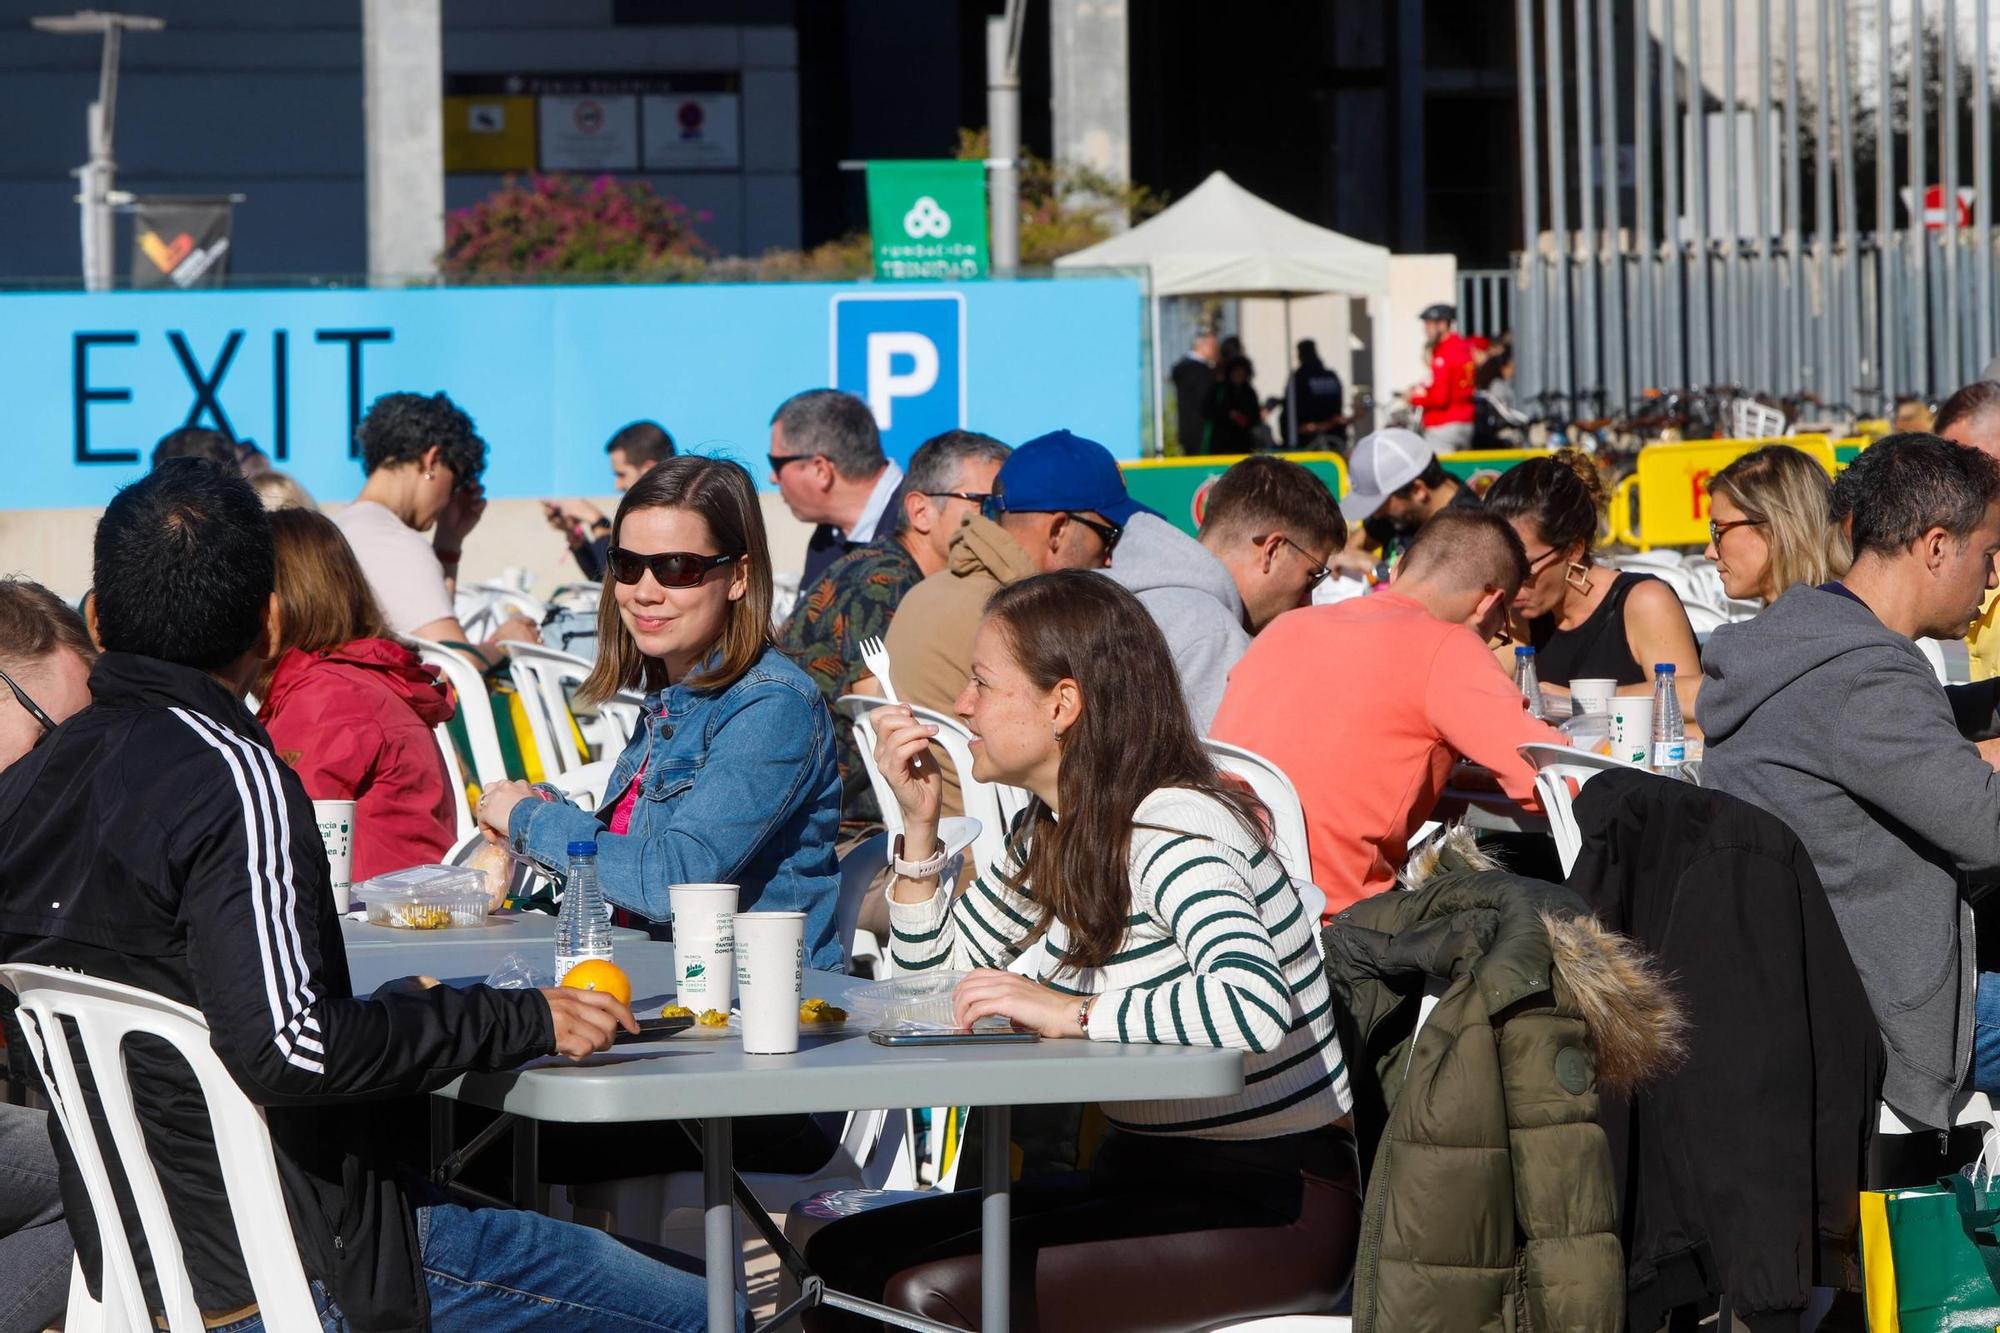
(1060, 503)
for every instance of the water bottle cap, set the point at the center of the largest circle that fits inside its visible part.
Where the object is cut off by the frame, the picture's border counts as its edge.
(1523, 650)
(583, 849)
(1663, 668)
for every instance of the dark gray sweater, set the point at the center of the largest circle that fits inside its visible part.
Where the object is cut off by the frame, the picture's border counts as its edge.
(1836, 724)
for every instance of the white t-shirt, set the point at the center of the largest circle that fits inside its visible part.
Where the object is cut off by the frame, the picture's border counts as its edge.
(403, 571)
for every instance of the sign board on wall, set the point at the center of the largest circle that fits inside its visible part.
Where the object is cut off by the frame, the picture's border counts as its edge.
(593, 122)
(548, 373)
(928, 220)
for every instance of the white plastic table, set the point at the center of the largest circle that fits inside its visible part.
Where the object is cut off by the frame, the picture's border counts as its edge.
(474, 951)
(686, 1077)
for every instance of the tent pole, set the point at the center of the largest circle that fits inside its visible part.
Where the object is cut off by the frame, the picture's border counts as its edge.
(1291, 398)
(1159, 442)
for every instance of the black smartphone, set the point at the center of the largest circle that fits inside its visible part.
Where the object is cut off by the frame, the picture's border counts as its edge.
(951, 1036)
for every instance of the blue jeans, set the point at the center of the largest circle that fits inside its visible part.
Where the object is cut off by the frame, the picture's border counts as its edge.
(34, 1240)
(1986, 1034)
(496, 1269)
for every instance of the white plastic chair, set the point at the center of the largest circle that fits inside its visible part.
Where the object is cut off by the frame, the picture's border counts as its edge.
(993, 805)
(1275, 790)
(542, 675)
(586, 784)
(1933, 652)
(482, 607)
(104, 1014)
(455, 773)
(474, 709)
(1555, 767)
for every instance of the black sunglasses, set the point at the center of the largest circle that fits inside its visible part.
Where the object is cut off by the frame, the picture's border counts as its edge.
(970, 497)
(34, 709)
(673, 569)
(778, 461)
(1107, 532)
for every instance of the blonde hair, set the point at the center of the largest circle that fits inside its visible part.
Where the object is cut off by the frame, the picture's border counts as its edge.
(280, 490)
(1786, 492)
(323, 597)
(722, 494)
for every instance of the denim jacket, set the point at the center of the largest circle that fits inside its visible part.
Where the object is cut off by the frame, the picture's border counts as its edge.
(740, 787)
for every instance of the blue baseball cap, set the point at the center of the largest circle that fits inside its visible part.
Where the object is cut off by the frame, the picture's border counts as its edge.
(1063, 471)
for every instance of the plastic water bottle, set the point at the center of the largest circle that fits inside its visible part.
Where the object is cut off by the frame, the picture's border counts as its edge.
(1669, 732)
(1529, 680)
(582, 931)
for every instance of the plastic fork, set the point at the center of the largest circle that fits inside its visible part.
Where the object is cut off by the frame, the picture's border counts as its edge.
(875, 656)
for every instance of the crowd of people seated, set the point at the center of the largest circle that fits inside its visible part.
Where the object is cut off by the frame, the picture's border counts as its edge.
(240, 655)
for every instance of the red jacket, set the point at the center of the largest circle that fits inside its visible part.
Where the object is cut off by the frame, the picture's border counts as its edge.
(1448, 398)
(355, 721)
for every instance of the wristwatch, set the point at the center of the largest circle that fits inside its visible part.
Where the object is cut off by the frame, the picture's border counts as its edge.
(924, 869)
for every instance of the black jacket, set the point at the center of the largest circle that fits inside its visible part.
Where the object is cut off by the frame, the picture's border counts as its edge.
(156, 840)
(1742, 1167)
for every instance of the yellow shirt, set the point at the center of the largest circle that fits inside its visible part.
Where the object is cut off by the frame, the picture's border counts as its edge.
(1983, 644)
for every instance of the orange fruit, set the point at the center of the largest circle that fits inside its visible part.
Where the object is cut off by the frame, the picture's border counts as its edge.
(600, 974)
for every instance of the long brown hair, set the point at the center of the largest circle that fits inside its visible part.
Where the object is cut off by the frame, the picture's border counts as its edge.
(323, 597)
(1133, 737)
(1563, 493)
(721, 492)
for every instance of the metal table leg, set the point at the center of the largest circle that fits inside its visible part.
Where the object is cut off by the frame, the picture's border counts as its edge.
(527, 1164)
(995, 1215)
(718, 1221)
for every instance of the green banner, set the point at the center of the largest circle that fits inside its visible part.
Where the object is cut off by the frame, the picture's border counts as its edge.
(928, 220)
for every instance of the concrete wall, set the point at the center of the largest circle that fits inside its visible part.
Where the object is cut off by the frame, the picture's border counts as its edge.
(52, 546)
(266, 100)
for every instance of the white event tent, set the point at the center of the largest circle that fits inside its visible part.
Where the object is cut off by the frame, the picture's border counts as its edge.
(1222, 240)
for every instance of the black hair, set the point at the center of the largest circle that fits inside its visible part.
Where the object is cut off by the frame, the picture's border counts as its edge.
(642, 442)
(1562, 494)
(402, 428)
(182, 566)
(1899, 488)
(197, 442)
(1433, 476)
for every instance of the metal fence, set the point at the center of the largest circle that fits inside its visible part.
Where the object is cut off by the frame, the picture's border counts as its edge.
(1676, 276)
(1485, 301)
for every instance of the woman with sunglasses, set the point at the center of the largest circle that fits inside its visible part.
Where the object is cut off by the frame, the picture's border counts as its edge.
(1585, 621)
(1769, 525)
(731, 777)
(1138, 902)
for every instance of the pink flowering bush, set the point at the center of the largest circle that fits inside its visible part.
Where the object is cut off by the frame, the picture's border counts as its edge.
(567, 225)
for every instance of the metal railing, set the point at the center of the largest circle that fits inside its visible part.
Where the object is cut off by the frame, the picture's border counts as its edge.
(1763, 279)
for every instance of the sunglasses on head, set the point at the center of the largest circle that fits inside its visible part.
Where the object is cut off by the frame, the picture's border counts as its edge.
(671, 569)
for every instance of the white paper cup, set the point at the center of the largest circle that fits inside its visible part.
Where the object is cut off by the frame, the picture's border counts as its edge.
(1632, 728)
(704, 973)
(336, 830)
(703, 911)
(1592, 696)
(770, 961)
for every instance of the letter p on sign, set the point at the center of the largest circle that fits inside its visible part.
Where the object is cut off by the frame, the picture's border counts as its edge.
(900, 365)
(905, 357)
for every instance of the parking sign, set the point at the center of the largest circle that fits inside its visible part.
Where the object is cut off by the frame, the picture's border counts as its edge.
(905, 357)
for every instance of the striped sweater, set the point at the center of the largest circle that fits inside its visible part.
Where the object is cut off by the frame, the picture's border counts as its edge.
(1217, 951)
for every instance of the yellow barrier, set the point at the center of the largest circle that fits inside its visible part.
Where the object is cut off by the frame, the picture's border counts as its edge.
(1671, 485)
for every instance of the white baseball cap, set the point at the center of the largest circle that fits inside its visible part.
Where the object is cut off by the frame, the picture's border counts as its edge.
(1384, 461)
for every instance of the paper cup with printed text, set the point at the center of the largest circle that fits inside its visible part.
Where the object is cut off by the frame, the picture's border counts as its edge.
(1592, 696)
(336, 830)
(705, 973)
(770, 964)
(1632, 728)
(703, 911)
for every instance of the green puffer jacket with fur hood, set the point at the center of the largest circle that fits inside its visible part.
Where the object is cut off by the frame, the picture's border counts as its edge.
(1490, 1204)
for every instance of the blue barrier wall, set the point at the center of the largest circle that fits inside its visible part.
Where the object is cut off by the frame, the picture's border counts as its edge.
(90, 382)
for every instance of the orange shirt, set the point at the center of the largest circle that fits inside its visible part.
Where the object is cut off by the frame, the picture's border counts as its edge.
(1365, 705)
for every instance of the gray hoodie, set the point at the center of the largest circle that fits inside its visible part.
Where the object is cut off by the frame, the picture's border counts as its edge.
(1836, 724)
(1194, 602)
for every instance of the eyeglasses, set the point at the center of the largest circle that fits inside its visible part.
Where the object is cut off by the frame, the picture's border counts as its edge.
(778, 461)
(1320, 570)
(34, 709)
(1535, 562)
(970, 497)
(673, 569)
(1715, 530)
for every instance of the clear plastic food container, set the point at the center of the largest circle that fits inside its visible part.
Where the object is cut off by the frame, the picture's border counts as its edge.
(426, 898)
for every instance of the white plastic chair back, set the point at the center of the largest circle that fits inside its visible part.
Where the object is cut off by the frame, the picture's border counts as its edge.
(483, 607)
(538, 673)
(586, 784)
(104, 1014)
(1703, 618)
(1275, 790)
(454, 772)
(474, 708)
(993, 805)
(1555, 767)
(1933, 652)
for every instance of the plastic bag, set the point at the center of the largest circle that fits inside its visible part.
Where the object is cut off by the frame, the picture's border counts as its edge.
(517, 972)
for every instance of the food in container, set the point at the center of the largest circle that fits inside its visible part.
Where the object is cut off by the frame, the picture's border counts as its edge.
(426, 898)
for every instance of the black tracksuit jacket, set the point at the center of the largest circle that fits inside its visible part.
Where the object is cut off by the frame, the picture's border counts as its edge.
(154, 839)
